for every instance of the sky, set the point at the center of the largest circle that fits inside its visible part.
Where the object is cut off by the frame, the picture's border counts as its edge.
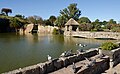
(93, 9)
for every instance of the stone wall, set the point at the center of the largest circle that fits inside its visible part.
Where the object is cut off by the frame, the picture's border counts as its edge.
(46, 29)
(99, 67)
(114, 56)
(101, 64)
(87, 34)
(41, 29)
(53, 65)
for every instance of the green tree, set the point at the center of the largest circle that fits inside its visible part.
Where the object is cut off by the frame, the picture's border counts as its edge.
(110, 24)
(15, 23)
(52, 20)
(47, 22)
(35, 19)
(20, 16)
(71, 12)
(84, 20)
(6, 11)
(85, 27)
(97, 25)
(60, 21)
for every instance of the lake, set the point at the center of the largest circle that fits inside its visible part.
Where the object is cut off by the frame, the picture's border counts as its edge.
(23, 50)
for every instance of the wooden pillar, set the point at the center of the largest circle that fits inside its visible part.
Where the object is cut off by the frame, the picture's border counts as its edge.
(66, 28)
(77, 29)
(70, 28)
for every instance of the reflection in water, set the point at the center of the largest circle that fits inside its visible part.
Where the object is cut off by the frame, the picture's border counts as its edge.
(24, 50)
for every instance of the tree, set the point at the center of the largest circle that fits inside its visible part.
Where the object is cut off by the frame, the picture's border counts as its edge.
(110, 24)
(111, 21)
(20, 16)
(71, 12)
(97, 25)
(85, 27)
(6, 11)
(60, 21)
(15, 23)
(52, 20)
(84, 20)
(35, 19)
(47, 22)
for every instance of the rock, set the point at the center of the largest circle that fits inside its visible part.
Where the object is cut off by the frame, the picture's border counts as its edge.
(50, 66)
(57, 64)
(31, 70)
(42, 68)
(17, 71)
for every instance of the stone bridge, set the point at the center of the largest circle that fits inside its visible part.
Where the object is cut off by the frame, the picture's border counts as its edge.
(87, 34)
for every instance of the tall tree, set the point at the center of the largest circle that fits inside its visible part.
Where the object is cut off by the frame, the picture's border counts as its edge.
(84, 20)
(71, 12)
(52, 20)
(60, 21)
(6, 11)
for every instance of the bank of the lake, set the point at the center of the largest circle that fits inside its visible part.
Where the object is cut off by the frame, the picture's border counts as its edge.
(23, 50)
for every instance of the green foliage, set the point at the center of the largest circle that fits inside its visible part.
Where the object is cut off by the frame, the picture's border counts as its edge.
(85, 27)
(71, 12)
(116, 29)
(55, 31)
(35, 19)
(52, 20)
(20, 16)
(6, 11)
(15, 23)
(84, 20)
(109, 46)
(110, 24)
(97, 25)
(60, 21)
(11, 24)
(47, 22)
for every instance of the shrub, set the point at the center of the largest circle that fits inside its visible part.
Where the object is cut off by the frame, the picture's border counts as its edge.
(55, 31)
(108, 46)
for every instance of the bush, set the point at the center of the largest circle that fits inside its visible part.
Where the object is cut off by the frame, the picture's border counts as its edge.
(109, 46)
(55, 31)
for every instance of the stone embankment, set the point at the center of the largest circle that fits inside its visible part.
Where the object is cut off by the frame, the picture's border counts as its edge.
(54, 64)
(98, 67)
(95, 64)
(41, 29)
(87, 34)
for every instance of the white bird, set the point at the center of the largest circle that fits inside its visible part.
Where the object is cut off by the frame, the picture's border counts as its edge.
(90, 62)
(63, 54)
(49, 58)
(80, 51)
(81, 45)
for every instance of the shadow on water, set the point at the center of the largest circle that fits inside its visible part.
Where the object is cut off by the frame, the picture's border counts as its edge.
(105, 38)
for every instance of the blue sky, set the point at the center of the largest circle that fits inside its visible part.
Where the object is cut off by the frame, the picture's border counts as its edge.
(93, 9)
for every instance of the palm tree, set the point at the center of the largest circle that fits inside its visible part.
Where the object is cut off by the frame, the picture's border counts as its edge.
(6, 11)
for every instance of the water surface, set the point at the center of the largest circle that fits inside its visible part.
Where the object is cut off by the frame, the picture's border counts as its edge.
(23, 50)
